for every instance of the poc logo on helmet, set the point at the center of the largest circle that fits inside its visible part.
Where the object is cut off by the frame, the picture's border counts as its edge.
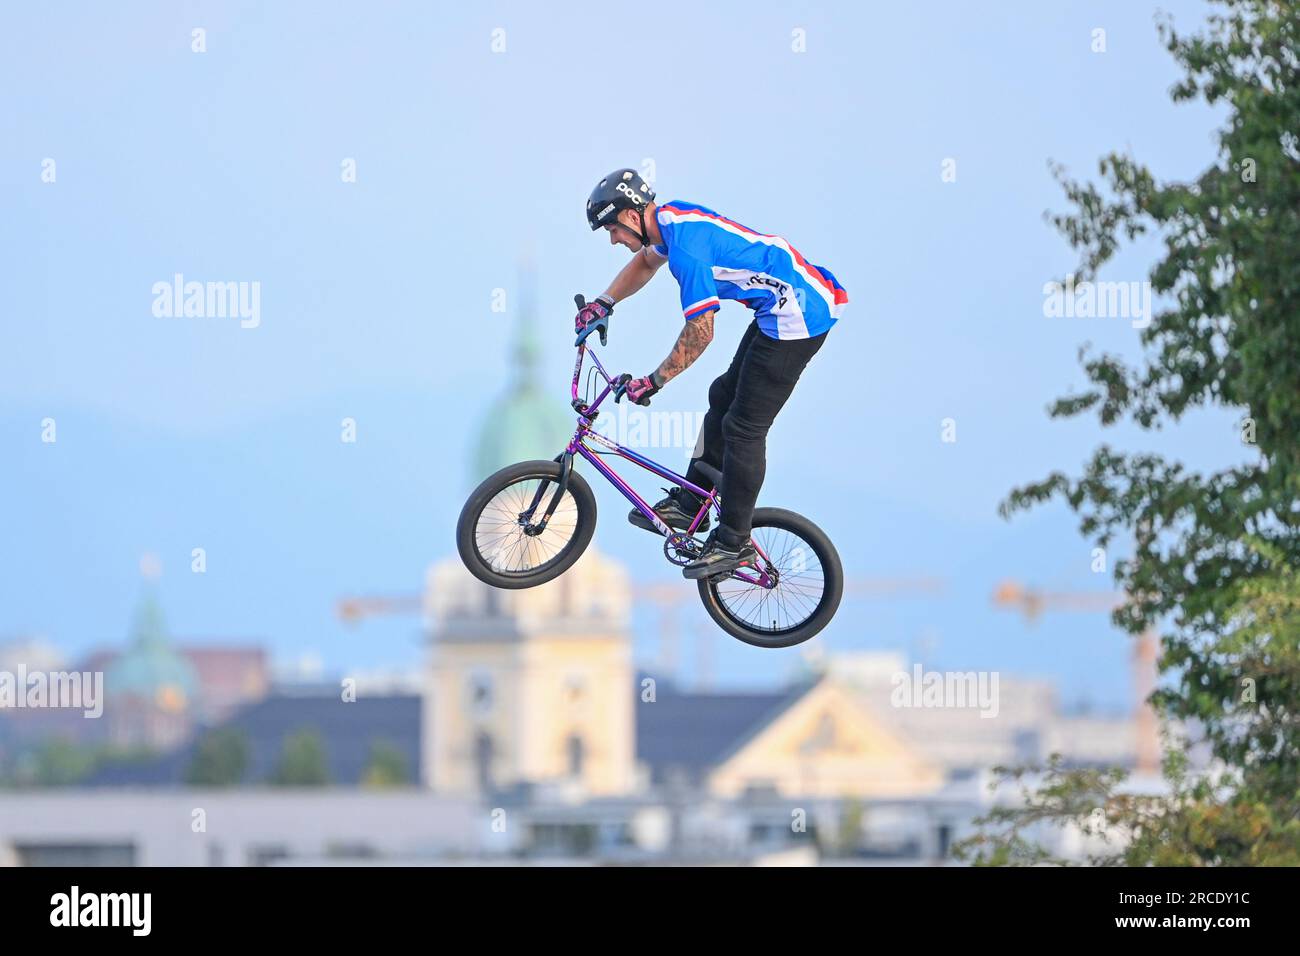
(630, 193)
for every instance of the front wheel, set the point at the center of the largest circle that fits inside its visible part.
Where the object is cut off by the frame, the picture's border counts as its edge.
(499, 534)
(809, 585)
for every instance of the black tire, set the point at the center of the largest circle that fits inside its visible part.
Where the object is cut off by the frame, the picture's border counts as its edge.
(574, 518)
(725, 600)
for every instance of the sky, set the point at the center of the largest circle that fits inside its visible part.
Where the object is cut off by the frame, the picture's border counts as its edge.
(476, 132)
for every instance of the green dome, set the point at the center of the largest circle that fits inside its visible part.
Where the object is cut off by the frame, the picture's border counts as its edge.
(150, 668)
(531, 420)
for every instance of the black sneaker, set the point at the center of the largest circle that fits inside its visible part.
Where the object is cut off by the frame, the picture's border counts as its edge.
(718, 559)
(677, 511)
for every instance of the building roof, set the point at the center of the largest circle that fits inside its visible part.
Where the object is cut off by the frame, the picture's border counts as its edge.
(683, 735)
(224, 661)
(347, 730)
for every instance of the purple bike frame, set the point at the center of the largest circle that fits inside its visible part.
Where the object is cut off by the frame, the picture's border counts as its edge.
(585, 430)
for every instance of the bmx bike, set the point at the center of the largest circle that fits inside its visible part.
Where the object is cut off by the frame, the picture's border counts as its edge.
(513, 534)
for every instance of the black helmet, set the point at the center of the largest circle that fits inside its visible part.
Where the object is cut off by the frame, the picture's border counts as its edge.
(621, 189)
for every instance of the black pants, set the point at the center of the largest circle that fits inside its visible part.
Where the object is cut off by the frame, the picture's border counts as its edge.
(743, 402)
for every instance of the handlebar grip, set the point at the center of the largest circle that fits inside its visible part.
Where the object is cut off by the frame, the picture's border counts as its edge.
(601, 325)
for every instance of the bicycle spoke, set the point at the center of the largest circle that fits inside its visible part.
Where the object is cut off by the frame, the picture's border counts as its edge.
(798, 594)
(503, 542)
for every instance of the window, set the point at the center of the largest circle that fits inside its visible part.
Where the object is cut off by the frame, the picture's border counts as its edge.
(480, 693)
(483, 755)
(577, 755)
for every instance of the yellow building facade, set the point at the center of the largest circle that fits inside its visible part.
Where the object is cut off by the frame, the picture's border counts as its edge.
(531, 686)
(825, 745)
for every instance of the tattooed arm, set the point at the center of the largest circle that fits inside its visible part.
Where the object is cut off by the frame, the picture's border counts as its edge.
(692, 342)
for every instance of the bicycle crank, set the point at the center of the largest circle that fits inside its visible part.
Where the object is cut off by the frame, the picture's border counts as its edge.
(681, 549)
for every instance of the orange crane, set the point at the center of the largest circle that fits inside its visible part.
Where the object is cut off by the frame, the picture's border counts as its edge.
(1033, 603)
(355, 609)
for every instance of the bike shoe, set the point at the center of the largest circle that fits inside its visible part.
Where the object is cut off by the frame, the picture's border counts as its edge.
(677, 511)
(720, 560)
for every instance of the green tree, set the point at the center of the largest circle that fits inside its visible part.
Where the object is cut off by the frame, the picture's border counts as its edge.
(61, 763)
(302, 761)
(220, 759)
(386, 766)
(1213, 552)
(1240, 815)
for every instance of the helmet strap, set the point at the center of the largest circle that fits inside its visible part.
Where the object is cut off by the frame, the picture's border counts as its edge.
(641, 236)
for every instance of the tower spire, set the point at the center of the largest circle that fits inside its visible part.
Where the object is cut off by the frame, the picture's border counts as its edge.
(531, 419)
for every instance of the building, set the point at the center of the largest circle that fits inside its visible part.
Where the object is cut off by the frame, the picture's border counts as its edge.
(810, 740)
(151, 689)
(245, 827)
(532, 686)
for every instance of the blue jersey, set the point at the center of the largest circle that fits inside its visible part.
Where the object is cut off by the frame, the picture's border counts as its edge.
(713, 258)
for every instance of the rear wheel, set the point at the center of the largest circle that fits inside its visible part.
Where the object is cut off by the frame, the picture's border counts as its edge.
(498, 534)
(809, 585)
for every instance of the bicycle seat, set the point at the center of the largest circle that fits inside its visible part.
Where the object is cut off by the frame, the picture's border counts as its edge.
(708, 471)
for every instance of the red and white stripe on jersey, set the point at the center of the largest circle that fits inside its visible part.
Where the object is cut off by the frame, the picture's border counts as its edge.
(835, 298)
(699, 308)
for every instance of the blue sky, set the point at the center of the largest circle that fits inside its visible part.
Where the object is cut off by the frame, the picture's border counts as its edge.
(376, 295)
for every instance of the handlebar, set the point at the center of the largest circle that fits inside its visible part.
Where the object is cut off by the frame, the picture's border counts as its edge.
(581, 301)
(577, 369)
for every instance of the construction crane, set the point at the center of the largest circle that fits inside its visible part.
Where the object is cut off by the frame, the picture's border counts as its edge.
(1033, 603)
(670, 597)
(355, 609)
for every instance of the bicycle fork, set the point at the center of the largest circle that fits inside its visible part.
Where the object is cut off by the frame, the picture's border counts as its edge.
(565, 461)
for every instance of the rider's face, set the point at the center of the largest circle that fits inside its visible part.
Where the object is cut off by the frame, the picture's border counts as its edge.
(624, 235)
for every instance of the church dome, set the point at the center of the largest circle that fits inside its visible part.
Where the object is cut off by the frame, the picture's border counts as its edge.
(530, 420)
(150, 668)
